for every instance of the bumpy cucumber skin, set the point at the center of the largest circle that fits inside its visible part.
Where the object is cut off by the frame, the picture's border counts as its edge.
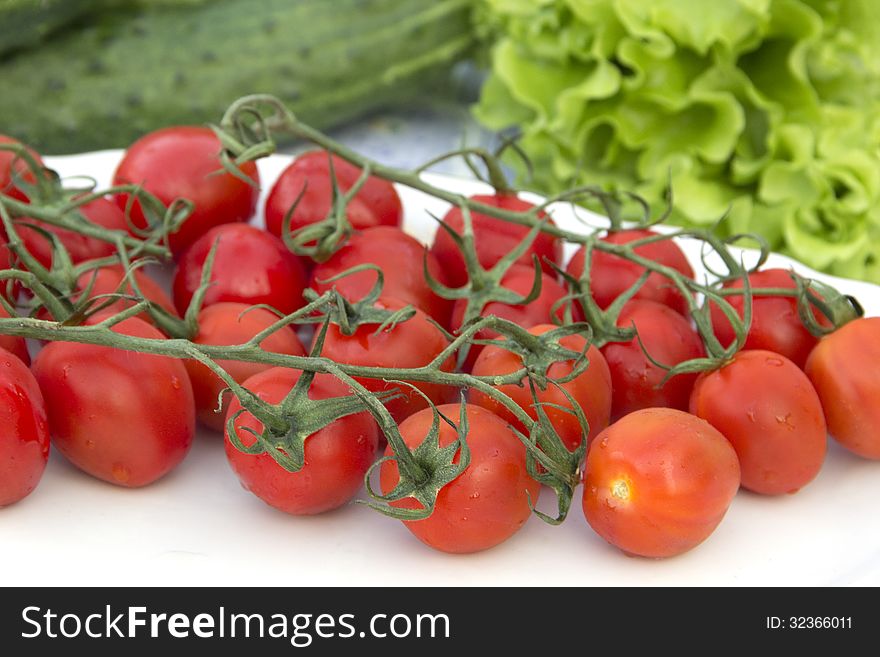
(25, 23)
(105, 84)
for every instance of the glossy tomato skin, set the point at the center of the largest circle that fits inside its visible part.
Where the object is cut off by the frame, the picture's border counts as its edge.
(400, 257)
(336, 457)
(102, 212)
(123, 417)
(14, 345)
(769, 411)
(413, 343)
(518, 278)
(12, 166)
(106, 280)
(845, 370)
(775, 325)
(670, 339)
(376, 204)
(493, 238)
(591, 389)
(611, 275)
(231, 323)
(182, 163)
(658, 482)
(250, 266)
(24, 430)
(485, 505)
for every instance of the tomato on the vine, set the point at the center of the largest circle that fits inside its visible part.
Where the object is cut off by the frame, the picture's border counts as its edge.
(183, 162)
(658, 482)
(14, 345)
(308, 179)
(487, 503)
(591, 389)
(13, 166)
(124, 417)
(768, 410)
(493, 238)
(336, 457)
(24, 430)
(231, 323)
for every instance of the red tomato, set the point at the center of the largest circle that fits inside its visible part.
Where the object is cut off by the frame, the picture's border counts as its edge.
(376, 204)
(401, 259)
(487, 503)
(101, 211)
(611, 275)
(670, 339)
(24, 430)
(230, 324)
(776, 325)
(107, 281)
(183, 163)
(14, 345)
(10, 166)
(768, 410)
(493, 238)
(845, 369)
(250, 266)
(336, 457)
(658, 482)
(518, 278)
(590, 389)
(123, 417)
(413, 343)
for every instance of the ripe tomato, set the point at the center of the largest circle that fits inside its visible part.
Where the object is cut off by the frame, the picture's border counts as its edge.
(413, 343)
(101, 211)
(518, 278)
(611, 275)
(250, 266)
(336, 457)
(845, 369)
(658, 482)
(106, 280)
(229, 324)
(775, 326)
(487, 503)
(123, 417)
(24, 430)
(591, 389)
(376, 204)
(768, 410)
(670, 339)
(12, 166)
(493, 238)
(14, 345)
(183, 163)
(401, 259)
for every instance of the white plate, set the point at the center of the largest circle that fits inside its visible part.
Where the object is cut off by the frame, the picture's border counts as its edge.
(198, 527)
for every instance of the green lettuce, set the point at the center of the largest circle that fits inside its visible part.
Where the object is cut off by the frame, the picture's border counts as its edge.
(764, 112)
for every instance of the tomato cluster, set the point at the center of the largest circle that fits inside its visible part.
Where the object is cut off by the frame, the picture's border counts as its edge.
(661, 453)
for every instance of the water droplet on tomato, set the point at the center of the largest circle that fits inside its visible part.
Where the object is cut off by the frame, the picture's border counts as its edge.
(775, 362)
(90, 444)
(175, 383)
(475, 495)
(121, 473)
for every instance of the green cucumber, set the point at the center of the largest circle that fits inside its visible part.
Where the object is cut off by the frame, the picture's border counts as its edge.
(104, 84)
(27, 22)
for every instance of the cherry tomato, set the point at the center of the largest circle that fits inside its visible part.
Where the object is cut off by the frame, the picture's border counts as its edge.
(401, 259)
(14, 345)
(336, 457)
(183, 163)
(658, 482)
(24, 430)
(769, 411)
(413, 343)
(591, 389)
(123, 417)
(12, 166)
(611, 275)
(845, 369)
(670, 340)
(233, 324)
(776, 325)
(493, 238)
(518, 278)
(376, 204)
(486, 504)
(106, 280)
(102, 212)
(250, 266)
